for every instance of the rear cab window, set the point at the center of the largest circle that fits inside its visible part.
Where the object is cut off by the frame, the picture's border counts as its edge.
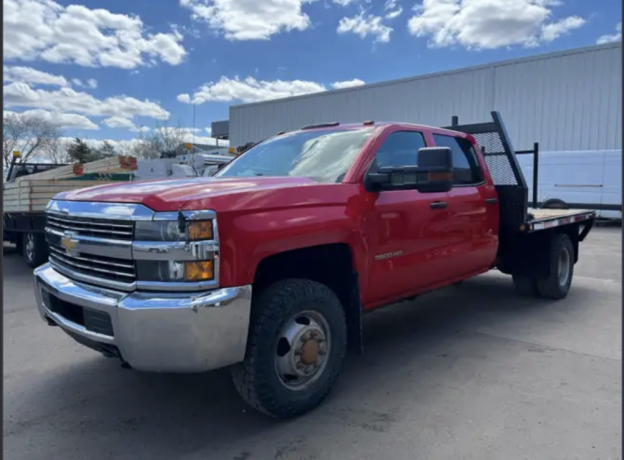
(466, 167)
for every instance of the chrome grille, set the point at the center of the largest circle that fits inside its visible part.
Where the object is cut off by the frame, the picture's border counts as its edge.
(108, 268)
(98, 228)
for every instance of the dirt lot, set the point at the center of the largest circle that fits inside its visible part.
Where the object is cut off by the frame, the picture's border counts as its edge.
(470, 372)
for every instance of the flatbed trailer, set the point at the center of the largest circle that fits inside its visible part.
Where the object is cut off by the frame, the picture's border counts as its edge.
(31, 186)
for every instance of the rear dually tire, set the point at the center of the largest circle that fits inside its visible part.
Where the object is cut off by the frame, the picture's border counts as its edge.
(557, 284)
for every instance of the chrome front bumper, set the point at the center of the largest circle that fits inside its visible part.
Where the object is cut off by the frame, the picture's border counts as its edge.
(158, 332)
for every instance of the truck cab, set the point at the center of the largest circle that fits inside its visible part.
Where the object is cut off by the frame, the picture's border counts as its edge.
(268, 266)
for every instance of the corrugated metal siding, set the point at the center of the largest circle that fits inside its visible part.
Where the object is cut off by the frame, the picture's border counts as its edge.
(566, 101)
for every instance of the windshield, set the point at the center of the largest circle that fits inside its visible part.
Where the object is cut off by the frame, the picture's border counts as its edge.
(322, 155)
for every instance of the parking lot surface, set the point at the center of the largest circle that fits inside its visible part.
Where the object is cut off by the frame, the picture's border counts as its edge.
(468, 372)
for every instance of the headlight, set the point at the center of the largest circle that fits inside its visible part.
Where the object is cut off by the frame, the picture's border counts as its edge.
(174, 230)
(163, 230)
(168, 270)
(177, 247)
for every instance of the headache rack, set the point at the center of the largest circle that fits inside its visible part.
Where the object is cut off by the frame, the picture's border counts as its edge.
(504, 168)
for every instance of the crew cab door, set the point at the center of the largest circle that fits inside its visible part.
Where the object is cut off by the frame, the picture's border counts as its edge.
(407, 229)
(473, 210)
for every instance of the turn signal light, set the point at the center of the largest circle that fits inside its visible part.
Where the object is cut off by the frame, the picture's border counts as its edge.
(200, 230)
(199, 271)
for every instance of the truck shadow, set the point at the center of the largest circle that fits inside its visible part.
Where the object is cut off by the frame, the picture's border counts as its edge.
(96, 405)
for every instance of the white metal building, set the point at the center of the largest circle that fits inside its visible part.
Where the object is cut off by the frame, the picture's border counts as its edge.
(570, 100)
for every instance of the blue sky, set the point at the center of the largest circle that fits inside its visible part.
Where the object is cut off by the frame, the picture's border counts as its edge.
(106, 68)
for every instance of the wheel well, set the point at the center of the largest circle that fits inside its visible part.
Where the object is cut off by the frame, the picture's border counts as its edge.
(555, 203)
(329, 264)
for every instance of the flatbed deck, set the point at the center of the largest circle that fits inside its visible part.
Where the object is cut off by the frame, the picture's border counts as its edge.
(540, 219)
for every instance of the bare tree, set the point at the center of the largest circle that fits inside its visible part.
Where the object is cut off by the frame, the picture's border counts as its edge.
(30, 135)
(142, 147)
(163, 138)
(57, 151)
(106, 150)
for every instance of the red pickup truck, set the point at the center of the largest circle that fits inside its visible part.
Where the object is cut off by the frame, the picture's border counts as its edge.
(268, 267)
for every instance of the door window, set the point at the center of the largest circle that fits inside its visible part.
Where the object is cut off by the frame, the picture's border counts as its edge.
(466, 169)
(400, 149)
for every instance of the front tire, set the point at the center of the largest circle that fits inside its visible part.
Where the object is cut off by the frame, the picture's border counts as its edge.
(34, 249)
(557, 284)
(296, 346)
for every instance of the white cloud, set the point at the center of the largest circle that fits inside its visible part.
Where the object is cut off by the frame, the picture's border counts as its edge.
(249, 19)
(44, 29)
(392, 9)
(363, 26)
(347, 84)
(32, 76)
(119, 122)
(203, 140)
(92, 83)
(344, 2)
(616, 37)
(484, 24)
(252, 90)
(141, 129)
(63, 120)
(390, 5)
(554, 30)
(68, 100)
(394, 14)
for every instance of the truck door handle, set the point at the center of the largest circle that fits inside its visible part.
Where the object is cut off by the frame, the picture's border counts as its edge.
(491, 201)
(438, 205)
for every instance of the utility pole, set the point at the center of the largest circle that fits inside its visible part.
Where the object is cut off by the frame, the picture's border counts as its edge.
(193, 121)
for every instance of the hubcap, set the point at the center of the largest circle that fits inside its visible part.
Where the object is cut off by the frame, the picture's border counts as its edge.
(30, 246)
(564, 266)
(302, 350)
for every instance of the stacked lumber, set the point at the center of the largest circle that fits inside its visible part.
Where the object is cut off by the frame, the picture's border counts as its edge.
(110, 165)
(32, 193)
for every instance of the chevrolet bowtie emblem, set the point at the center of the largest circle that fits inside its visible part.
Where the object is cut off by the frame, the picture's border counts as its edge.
(69, 243)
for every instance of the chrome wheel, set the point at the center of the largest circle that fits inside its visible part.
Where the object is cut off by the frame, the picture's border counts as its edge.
(29, 246)
(302, 350)
(563, 270)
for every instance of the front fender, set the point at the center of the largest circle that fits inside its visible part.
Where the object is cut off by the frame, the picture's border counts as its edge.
(250, 238)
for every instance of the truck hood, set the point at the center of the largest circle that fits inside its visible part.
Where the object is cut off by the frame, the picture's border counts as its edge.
(186, 193)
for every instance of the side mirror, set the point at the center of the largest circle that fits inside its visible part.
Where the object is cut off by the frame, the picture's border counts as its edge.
(434, 173)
